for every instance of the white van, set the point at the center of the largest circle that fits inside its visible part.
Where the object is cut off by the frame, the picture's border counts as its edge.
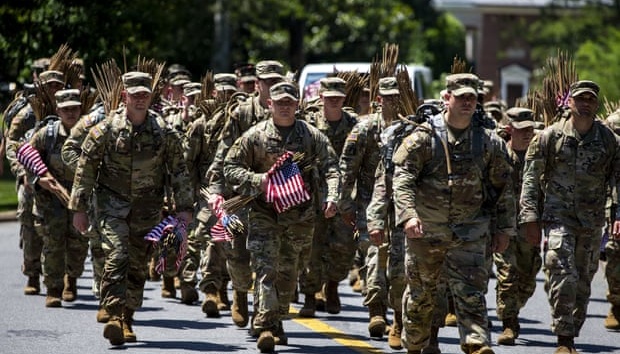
(310, 75)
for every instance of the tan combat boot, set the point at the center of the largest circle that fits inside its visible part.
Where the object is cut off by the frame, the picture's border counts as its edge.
(189, 294)
(450, 320)
(128, 335)
(433, 342)
(209, 304)
(612, 321)
(479, 349)
(376, 325)
(223, 304)
(33, 287)
(167, 288)
(102, 315)
(113, 331)
(309, 308)
(239, 309)
(332, 299)
(566, 345)
(153, 275)
(69, 293)
(510, 333)
(265, 342)
(394, 335)
(53, 298)
(319, 297)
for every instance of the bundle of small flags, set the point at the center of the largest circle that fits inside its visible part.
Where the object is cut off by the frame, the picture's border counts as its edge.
(286, 187)
(30, 158)
(227, 225)
(170, 233)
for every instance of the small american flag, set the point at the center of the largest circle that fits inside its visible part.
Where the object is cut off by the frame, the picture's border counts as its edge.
(286, 187)
(30, 158)
(218, 231)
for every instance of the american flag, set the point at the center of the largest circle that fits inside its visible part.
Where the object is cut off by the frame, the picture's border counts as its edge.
(30, 158)
(170, 233)
(218, 231)
(286, 187)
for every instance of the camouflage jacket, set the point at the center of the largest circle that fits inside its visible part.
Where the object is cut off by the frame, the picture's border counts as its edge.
(257, 150)
(336, 136)
(573, 174)
(127, 167)
(23, 121)
(72, 148)
(421, 188)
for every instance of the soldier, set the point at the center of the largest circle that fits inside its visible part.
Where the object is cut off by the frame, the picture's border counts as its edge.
(573, 163)
(279, 242)
(124, 160)
(448, 175)
(51, 81)
(64, 249)
(333, 245)
(249, 112)
(246, 78)
(518, 265)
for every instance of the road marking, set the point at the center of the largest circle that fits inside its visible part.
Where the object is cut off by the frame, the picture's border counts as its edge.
(335, 334)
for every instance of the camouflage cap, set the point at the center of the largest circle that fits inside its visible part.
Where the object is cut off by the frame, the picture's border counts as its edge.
(41, 64)
(584, 86)
(460, 84)
(50, 76)
(332, 87)
(521, 117)
(388, 86)
(180, 80)
(284, 89)
(246, 73)
(269, 69)
(493, 106)
(192, 88)
(225, 81)
(137, 81)
(67, 98)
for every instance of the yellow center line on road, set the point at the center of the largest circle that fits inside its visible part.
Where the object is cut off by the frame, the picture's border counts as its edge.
(335, 334)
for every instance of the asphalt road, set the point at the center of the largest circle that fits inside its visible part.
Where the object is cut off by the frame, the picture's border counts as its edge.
(166, 326)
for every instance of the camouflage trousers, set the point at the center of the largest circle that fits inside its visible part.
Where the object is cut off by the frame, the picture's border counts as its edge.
(570, 262)
(464, 265)
(188, 271)
(612, 271)
(64, 249)
(279, 248)
(333, 249)
(30, 241)
(97, 257)
(516, 276)
(385, 275)
(126, 256)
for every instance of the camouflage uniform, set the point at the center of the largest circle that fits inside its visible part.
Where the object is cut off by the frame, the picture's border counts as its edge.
(280, 243)
(456, 225)
(126, 166)
(573, 173)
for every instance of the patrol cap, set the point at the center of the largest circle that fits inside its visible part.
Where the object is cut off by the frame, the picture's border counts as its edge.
(284, 89)
(521, 117)
(269, 69)
(460, 84)
(137, 81)
(388, 86)
(50, 76)
(246, 73)
(191, 88)
(67, 98)
(584, 86)
(332, 87)
(225, 81)
(41, 64)
(180, 80)
(493, 106)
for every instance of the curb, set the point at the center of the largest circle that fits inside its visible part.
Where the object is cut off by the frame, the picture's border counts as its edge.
(9, 215)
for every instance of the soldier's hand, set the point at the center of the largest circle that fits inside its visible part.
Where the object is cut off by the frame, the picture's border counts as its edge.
(47, 182)
(330, 210)
(376, 237)
(500, 242)
(214, 202)
(615, 231)
(533, 234)
(80, 221)
(264, 183)
(348, 218)
(413, 228)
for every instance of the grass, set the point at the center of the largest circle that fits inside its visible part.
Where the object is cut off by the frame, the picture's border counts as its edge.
(8, 196)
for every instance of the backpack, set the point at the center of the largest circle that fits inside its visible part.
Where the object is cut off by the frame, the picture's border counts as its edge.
(52, 125)
(13, 108)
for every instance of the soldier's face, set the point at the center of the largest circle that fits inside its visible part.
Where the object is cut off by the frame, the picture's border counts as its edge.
(333, 102)
(584, 105)
(265, 84)
(69, 115)
(464, 104)
(139, 100)
(284, 108)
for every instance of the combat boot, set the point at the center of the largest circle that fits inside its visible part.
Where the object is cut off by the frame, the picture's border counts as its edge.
(69, 293)
(510, 333)
(376, 325)
(309, 308)
(113, 331)
(433, 342)
(265, 342)
(33, 287)
(167, 288)
(332, 300)
(239, 309)
(189, 294)
(450, 320)
(209, 304)
(223, 304)
(566, 345)
(279, 337)
(477, 349)
(394, 335)
(612, 321)
(102, 315)
(319, 297)
(153, 275)
(53, 298)
(128, 335)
